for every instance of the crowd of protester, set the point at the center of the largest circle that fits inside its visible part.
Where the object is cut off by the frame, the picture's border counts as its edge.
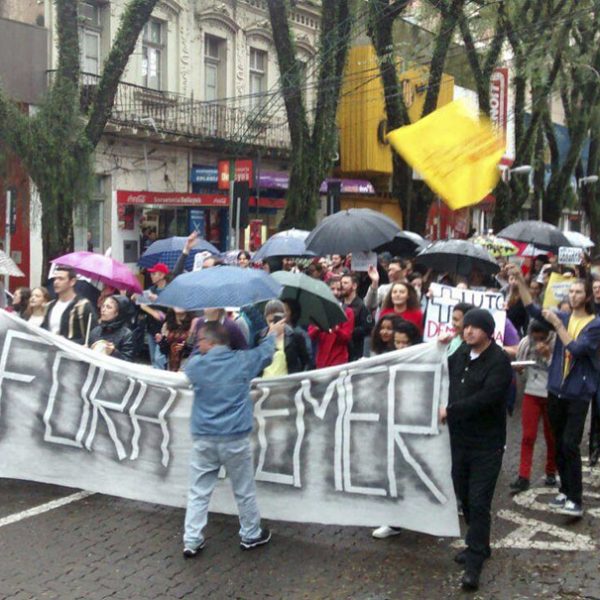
(556, 349)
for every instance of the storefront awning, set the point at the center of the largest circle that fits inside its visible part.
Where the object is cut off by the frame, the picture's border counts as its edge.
(280, 180)
(171, 199)
(143, 198)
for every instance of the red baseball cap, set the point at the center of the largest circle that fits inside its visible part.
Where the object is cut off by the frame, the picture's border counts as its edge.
(159, 268)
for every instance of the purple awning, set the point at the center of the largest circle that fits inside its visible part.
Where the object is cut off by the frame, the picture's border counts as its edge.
(350, 186)
(274, 180)
(279, 180)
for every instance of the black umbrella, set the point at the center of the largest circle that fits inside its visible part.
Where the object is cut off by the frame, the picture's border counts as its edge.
(405, 243)
(540, 234)
(352, 230)
(457, 257)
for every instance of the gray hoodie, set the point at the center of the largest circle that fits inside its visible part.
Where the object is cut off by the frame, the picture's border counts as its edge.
(536, 376)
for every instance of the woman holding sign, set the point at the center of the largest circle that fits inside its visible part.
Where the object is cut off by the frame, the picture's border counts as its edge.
(402, 301)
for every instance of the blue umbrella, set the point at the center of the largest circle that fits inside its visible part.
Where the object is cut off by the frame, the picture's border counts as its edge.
(169, 250)
(284, 243)
(219, 287)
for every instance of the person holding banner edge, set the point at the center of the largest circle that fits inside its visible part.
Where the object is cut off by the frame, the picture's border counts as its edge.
(221, 423)
(480, 378)
(573, 380)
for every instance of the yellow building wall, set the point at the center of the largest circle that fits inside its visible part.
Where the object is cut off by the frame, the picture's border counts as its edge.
(386, 206)
(361, 112)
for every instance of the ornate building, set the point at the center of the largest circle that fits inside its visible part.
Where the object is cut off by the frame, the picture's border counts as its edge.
(201, 86)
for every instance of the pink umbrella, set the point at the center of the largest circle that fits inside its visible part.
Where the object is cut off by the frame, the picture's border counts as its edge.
(101, 268)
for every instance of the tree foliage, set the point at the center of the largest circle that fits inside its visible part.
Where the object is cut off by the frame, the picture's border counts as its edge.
(56, 143)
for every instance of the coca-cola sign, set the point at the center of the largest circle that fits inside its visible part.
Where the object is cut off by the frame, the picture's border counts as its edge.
(170, 199)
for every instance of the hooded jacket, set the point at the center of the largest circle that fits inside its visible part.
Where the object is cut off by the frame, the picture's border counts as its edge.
(581, 382)
(116, 332)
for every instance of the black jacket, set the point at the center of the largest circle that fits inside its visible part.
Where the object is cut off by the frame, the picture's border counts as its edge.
(363, 324)
(116, 331)
(297, 357)
(118, 334)
(477, 398)
(74, 321)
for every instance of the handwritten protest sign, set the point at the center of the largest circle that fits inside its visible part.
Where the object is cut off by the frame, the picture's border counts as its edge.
(557, 289)
(357, 444)
(361, 261)
(199, 259)
(443, 298)
(570, 256)
(457, 153)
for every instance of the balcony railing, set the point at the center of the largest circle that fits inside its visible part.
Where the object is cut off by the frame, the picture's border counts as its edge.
(167, 112)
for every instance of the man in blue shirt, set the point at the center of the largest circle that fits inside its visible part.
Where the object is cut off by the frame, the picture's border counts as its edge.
(221, 423)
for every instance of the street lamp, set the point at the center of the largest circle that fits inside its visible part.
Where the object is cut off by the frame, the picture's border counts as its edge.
(587, 180)
(581, 183)
(520, 170)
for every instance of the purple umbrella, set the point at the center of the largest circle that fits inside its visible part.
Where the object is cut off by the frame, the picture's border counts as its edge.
(101, 268)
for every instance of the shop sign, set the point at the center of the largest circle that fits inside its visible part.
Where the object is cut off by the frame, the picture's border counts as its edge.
(201, 174)
(499, 100)
(171, 199)
(243, 172)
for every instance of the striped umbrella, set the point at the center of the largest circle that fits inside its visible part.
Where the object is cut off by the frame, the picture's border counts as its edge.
(495, 246)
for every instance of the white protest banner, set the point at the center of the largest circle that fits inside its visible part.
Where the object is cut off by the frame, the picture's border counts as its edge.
(361, 261)
(570, 256)
(357, 444)
(443, 298)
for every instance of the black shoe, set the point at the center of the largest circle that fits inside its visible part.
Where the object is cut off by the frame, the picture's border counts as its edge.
(189, 552)
(470, 580)
(261, 540)
(520, 484)
(594, 457)
(461, 557)
(550, 481)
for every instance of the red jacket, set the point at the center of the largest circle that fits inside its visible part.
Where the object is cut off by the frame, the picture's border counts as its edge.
(414, 316)
(332, 346)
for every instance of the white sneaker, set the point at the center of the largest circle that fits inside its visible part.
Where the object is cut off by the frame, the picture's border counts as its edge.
(571, 509)
(558, 501)
(385, 531)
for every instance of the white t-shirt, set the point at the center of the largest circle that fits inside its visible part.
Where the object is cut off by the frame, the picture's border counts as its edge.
(56, 315)
(36, 320)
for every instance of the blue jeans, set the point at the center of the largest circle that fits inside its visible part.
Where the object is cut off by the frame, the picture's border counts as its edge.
(157, 358)
(209, 453)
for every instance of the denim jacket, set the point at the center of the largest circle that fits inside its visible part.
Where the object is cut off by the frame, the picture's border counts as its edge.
(221, 380)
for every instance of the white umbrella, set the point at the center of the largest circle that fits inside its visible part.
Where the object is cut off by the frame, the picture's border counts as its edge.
(8, 266)
(579, 240)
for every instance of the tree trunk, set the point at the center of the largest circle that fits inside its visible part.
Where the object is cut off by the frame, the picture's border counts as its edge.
(56, 144)
(312, 151)
(381, 25)
(451, 11)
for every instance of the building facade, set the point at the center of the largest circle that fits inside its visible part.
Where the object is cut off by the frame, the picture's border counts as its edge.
(200, 88)
(23, 64)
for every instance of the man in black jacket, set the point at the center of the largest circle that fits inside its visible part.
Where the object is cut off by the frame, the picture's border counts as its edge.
(363, 322)
(69, 315)
(480, 376)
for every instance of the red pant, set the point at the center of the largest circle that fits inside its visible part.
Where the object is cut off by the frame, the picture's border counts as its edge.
(535, 407)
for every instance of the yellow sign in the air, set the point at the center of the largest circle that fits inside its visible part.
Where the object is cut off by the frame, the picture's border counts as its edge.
(456, 152)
